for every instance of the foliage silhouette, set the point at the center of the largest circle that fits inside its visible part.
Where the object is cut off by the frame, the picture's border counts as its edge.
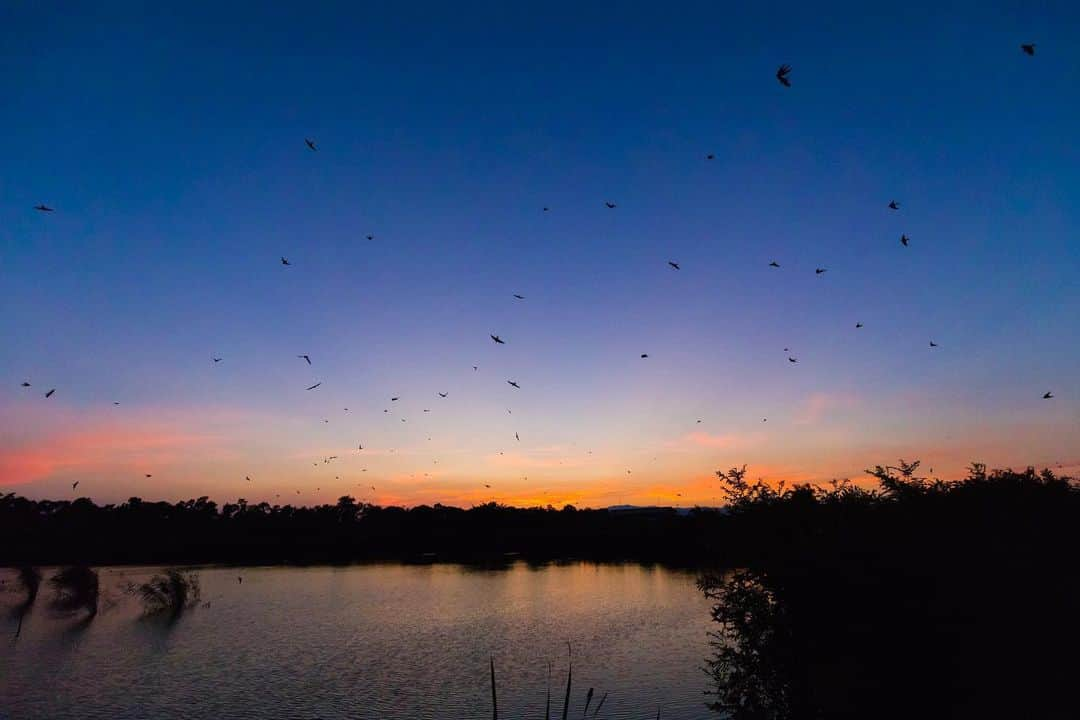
(918, 598)
(200, 531)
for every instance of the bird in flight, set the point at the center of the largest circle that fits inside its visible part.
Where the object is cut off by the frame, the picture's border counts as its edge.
(547, 209)
(516, 437)
(370, 237)
(858, 325)
(149, 475)
(50, 393)
(511, 382)
(893, 205)
(610, 205)
(76, 483)
(443, 394)
(710, 156)
(774, 264)
(933, 344)
(43, 208)
(475, 368)
(359, 447)
(818, 271)
(1028, 48)
(673, 264)
(519, 297)
(284, 261)
(310, 144)
(248, 478)
(782, 73)
(217, 360)
(25, 384)
(644, 355)
(792, 360)
(305, 357)
(315, 386)
(904, 239)
(1048, 395)
(393, 399)
(498, 341)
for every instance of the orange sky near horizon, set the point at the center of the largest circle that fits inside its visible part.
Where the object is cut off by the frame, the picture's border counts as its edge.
(191, 452)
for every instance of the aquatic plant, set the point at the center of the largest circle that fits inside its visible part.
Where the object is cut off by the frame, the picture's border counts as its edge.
(170, 592)
(29, 579)
(76, 588)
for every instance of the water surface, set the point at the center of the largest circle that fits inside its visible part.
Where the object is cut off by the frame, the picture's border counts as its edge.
(370, 641)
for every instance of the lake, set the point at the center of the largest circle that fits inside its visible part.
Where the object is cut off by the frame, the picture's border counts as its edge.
(368, 641)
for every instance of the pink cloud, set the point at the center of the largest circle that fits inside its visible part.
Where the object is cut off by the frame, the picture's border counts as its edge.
(819, 405)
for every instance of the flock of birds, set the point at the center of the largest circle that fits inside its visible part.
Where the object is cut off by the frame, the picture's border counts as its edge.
(783, 76)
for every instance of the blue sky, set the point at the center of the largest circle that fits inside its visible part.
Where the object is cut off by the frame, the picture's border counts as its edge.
(170, 143)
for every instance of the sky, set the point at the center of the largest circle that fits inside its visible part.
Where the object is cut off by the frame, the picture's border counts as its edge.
(170, 143)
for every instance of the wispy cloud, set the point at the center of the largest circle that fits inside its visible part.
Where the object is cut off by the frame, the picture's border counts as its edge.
(819, 406)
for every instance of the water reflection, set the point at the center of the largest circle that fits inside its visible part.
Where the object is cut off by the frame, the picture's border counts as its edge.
(375, 641)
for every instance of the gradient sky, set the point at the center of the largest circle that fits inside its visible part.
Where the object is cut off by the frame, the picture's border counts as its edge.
(171, 144)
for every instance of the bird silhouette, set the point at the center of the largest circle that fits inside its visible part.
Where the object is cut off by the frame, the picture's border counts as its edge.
(315, 386)
(442, 394)
(498, 341)
(610, 205)
(370, 237)
(305, 357)
(76, 483)
(516, 437)
(359, 447)
(25, 384)
(858, 325)
(710, 156)
(519, 297)
(818, 271)
(248, 478)
(893, 205)
(933, 344)
(792, 360)
(393, 399)
(1048, 395)
(284, 261)
(547, 209)
(43, 208)
(310, 144)
(511, 382)
(50, 393)
(904, 239)
(774, 264)
(475, 368)
(149, 475)
(782, 73)
(217, 360)
(675, 265)
(644, 355)
(1028, 48)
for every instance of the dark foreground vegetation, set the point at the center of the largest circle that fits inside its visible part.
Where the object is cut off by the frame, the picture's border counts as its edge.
(917, 599)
